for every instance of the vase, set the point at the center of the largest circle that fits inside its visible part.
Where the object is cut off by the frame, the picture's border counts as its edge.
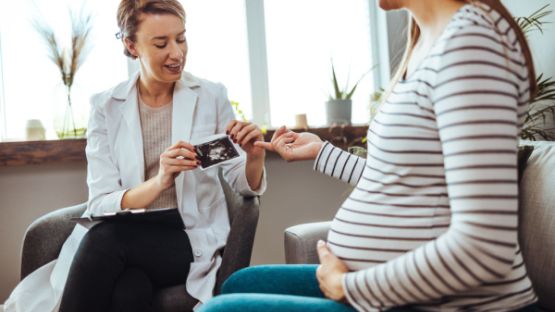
(68, 124)
(338, 112)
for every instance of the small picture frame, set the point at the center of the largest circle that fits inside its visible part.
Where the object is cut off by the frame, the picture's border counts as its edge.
(215, 150)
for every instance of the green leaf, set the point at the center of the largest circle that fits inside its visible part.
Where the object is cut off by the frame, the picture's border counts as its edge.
(535, 21)
(338, 93)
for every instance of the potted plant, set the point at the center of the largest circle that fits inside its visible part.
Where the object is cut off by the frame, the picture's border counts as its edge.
(68, 61)
(339, 104)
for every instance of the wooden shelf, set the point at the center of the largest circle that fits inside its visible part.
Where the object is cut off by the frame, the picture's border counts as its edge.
(41, 152)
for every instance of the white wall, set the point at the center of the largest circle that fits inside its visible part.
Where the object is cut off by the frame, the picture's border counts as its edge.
(26, 193)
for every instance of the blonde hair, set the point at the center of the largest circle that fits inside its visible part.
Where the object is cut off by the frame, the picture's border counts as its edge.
(129, 13)
(496, 5)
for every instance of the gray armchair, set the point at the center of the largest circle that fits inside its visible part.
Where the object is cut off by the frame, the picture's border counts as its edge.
(44, 239)
(536, 226)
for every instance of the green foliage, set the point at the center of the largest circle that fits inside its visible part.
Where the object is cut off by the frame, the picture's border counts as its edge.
(346, 93)
(542, 106)
(238, 111)
(243, 117)
(535, 21)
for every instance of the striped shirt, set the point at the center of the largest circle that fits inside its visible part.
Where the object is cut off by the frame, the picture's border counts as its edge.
(432, 221)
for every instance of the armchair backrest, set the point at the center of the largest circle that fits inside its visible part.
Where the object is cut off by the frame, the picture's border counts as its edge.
(44, 238)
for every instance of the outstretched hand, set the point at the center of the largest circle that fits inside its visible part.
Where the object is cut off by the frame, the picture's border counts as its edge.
(293, 146)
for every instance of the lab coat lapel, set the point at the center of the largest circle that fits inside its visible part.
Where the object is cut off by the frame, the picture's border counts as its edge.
(130, 113)
(184, 104)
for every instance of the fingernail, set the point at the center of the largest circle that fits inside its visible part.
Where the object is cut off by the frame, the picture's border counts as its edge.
(320, 243)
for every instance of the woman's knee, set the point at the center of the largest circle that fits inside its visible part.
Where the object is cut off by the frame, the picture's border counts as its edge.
(227, 303)
(271, 303)
(238, 282)
(100, 233)
(268, 279)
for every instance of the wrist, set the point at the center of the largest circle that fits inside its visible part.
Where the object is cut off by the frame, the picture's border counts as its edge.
(158, 184)
(258, 157)
(316, 149)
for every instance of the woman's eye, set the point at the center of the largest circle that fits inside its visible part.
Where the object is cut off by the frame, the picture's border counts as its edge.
(160, 46)
(181, 40)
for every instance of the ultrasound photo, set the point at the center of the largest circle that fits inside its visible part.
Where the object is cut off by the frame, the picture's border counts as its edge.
(215, 152)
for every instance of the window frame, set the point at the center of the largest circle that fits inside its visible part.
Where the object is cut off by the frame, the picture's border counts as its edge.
(3, 123)
(381, 46)
(258, 60)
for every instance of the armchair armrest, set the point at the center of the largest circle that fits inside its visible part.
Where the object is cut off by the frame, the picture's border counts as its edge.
(44, 238)
(300, 242)
(243, 218)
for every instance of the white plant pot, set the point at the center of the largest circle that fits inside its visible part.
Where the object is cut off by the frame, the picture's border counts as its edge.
(339, 112)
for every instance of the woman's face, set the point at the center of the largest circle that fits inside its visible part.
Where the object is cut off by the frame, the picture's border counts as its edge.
(161, 47)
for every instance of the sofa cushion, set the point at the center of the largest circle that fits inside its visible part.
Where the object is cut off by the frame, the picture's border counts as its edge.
(537, 221)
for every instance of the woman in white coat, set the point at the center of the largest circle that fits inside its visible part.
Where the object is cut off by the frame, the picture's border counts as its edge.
(139, 156)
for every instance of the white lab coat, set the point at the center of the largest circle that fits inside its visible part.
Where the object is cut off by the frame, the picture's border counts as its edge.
(116, 163)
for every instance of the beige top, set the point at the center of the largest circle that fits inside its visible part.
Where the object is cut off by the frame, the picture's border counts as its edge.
(156, 126)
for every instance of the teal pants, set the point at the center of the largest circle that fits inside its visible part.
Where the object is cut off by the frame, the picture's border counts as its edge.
(274, 288)
(281, 288)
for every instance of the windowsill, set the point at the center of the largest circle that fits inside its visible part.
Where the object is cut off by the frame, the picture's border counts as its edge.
(41, 152)
(49, 151)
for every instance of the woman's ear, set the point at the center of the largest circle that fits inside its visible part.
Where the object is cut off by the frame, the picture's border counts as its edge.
(131, 47)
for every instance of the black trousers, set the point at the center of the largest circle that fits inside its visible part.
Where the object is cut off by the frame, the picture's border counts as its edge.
(119, 266)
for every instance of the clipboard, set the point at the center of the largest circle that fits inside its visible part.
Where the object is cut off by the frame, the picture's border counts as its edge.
(162, 216)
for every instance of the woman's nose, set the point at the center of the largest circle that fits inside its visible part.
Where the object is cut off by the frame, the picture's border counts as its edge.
(176, 51)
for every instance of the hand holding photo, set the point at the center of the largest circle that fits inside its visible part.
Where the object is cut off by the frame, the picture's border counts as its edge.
(215, 150)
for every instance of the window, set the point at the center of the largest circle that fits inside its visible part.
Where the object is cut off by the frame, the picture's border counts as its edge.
(273, 57)
(30, 78)
(2, 107)
(303, 36)
(218, 49)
